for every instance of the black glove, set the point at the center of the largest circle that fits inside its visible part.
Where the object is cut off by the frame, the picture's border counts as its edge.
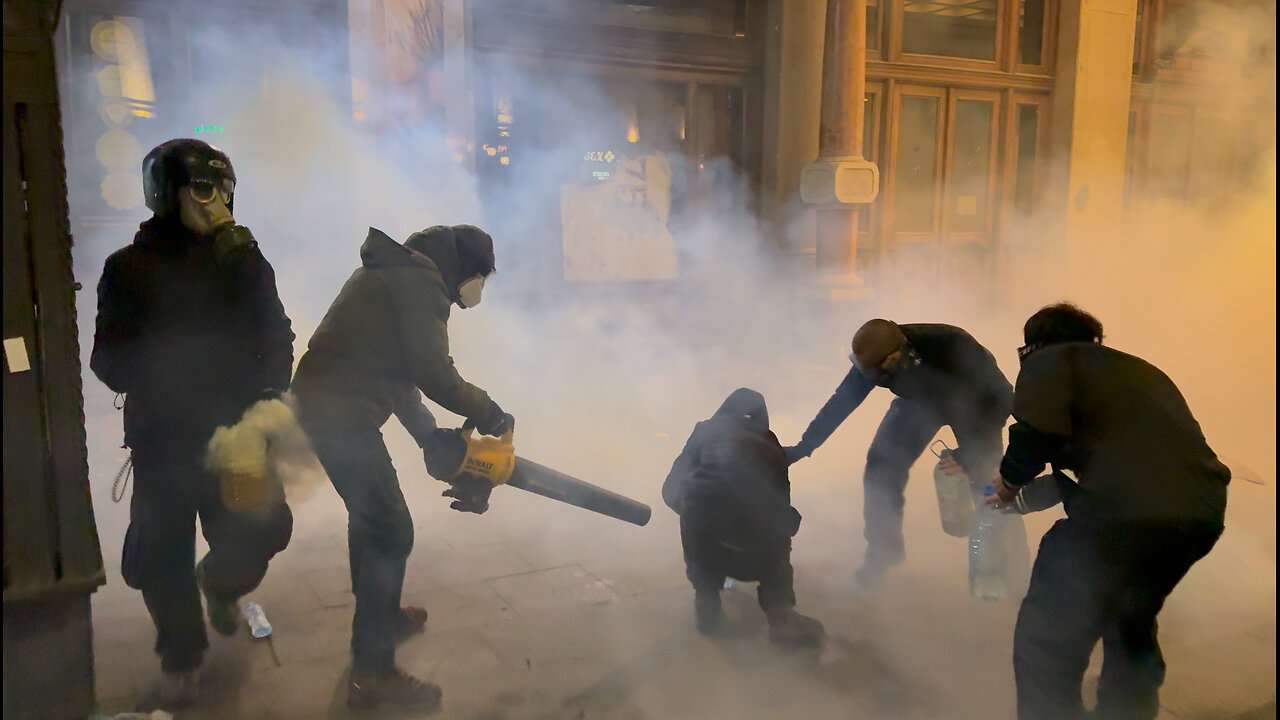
(470, 493)
(443, 453)
(495, 422)
(796, 453)
(230, 240)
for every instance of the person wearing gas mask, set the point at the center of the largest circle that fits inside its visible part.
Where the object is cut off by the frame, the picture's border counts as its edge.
(941, 376)
(383, 344)
(729, 485)
(191, 330)
(1147, 502)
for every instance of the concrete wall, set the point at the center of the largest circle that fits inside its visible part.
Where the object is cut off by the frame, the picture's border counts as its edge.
(793, 103)
(1091, 121)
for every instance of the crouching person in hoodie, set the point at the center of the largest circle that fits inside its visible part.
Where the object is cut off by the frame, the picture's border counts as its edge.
(383, 344)
(729, 485)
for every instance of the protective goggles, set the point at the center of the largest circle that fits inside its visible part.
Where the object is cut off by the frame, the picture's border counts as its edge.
(205, 191)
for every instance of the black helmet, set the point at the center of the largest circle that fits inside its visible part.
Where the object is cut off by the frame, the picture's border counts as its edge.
(176, 164)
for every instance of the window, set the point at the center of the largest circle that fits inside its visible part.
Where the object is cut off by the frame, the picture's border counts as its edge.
(951, 28)
(1031, 32)
(1171, 134)
(971, 166)
(1028, 125)
(873, 24)
(917, 169)
(870, 151)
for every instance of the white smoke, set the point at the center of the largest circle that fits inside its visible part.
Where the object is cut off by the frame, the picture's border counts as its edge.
(267, 446)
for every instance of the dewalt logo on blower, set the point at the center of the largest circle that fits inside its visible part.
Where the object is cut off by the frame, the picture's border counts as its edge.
(493, 459)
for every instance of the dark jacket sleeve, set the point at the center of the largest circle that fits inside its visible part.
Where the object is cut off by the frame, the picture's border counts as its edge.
(673, 488)
(274, 331)
(1042, 409)
(848, 396)
(421, 311)
(415, 416)
(117, 338)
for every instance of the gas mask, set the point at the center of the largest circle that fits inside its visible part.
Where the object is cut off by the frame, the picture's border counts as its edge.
(886, 372)
(470, 291)
(204, 206)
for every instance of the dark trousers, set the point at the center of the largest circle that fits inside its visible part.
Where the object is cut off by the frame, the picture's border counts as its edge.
(709, 559)
(171, 488)
(379, 538)
(1094, 582)
(903, 435)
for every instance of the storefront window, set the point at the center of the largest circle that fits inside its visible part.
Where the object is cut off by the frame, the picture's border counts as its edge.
(112, 117)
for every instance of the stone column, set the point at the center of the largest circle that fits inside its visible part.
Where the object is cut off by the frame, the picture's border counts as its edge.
(841, 178)
(1091, 124)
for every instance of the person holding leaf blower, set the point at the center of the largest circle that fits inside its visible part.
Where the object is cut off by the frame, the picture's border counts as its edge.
(382, 345)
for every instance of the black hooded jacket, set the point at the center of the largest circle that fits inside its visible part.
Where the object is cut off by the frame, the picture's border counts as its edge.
(189, 335)
(384, 338)
(1123, 427)
(731, 477)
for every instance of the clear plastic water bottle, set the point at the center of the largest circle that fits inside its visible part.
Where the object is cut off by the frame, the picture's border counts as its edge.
(987, 550)
(257, 620)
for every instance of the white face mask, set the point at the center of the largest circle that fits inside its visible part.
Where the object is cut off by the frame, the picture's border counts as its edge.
(470, 290)
(203, 208)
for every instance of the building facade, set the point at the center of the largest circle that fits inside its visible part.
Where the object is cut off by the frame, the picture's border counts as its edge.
(605, 132)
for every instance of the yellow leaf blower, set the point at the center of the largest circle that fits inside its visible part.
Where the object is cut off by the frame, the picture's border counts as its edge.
(486, 462)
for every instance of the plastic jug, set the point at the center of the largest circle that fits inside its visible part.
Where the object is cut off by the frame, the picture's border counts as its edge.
(955, 498)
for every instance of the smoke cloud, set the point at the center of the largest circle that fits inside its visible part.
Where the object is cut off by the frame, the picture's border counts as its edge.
(607, 382)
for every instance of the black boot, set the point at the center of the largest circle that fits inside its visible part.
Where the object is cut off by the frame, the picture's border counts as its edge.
(788, 627)
(707, 610)
(224, 615)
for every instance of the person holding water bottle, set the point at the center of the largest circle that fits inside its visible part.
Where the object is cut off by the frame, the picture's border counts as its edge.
(941, 376)
(1147, 502)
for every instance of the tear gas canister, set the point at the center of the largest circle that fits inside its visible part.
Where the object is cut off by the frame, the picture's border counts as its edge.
(244, 483)
(249, 481)
(955, 498)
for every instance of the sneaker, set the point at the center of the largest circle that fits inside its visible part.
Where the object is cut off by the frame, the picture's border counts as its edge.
(398, 688)
(180, 689)
(224, 615)
(707, 611)
(788, 627)
(409, 622)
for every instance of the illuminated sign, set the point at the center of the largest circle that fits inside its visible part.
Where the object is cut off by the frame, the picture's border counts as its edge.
(210, 129)
(605, 156)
